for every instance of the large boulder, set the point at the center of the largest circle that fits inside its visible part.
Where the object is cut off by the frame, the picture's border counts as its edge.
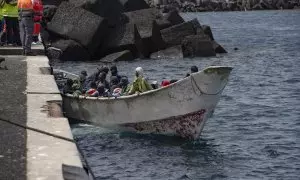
(68, 50)
(174, 35)
(133, 5)
(80, 25)
(174, 52)
(195, 45)
(118, 56)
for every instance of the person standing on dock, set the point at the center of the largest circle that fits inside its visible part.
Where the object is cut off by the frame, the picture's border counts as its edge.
(9, 12)
(26, 14)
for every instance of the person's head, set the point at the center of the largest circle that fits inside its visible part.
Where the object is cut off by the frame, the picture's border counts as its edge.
(114, 80)
(194, 69)
(93, 85)
(103, 69)
(165, 83)
(173, 81)
(102, 76)
(114, 70)
(83, 73)
(101, 88)
(154, 84)
(139, 72)
(124, 81)
(82, 78)
(69, 82)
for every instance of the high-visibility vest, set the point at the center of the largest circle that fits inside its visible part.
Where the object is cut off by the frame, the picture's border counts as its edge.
(25, 4)
(9, 10)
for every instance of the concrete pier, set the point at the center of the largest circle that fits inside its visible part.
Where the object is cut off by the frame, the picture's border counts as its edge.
(35, 139)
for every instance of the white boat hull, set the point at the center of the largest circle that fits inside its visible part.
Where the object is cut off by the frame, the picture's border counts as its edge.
(181, 108)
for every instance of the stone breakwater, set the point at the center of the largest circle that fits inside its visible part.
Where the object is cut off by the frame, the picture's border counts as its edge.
(224, 5)
(122, 30)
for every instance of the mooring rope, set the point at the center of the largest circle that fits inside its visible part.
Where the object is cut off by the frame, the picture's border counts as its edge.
(52, 135)
(37, 130)
(202, 92)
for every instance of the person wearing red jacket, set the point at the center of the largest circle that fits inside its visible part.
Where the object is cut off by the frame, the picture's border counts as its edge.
(38, 13)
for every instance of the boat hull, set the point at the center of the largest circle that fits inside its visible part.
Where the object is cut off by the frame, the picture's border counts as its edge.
(181, 108)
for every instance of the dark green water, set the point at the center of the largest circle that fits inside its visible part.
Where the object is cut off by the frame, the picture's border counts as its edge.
(255, 131)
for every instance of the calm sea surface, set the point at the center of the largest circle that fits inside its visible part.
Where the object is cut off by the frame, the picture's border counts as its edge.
(255, 130)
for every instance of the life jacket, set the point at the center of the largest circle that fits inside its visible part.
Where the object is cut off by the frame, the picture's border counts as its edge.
(25, 4)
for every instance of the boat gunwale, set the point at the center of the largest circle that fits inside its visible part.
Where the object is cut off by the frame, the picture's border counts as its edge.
(144, 93)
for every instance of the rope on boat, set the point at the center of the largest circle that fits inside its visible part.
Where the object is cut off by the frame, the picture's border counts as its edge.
(202, 92)
(37, 130)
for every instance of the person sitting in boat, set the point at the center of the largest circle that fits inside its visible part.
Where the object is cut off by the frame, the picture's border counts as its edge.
(82, 77)
(102, 79)
(76, 88)
(139, 85)
(114, 73)
(114, 81)
(93, 78)
(101, 91)
(68, 87)
(165, 83)
(154, 85)
(173, 81)
(124, 84)
(194, 69)
(92, 90)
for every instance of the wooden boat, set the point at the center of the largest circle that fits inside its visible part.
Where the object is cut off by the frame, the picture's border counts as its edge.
(180, 108)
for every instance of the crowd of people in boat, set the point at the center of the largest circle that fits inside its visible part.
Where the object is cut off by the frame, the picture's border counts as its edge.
(96, 84)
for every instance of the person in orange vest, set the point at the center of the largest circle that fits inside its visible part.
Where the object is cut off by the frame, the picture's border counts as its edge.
(26, 24)
(38, 13)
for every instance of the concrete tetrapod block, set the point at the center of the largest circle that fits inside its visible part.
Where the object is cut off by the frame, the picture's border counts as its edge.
(118, 56)
(218, 48)
(120, 38)
(207, 31)
(143, 16)
(80, 25)
(174, 18)
(195, 45)
(133, 5)
(52, 2)
(110, 9)
(174, 35)
(174, 52)
(71, 50)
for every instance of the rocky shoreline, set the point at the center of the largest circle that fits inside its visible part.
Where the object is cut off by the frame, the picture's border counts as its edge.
(223, 5)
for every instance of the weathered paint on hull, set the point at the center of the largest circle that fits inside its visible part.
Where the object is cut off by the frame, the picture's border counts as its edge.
(187, 126)
(179, 103)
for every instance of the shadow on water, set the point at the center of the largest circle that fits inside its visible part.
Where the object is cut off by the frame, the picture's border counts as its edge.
(113, 155)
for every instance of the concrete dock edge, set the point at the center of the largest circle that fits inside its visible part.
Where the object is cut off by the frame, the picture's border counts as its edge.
(46, 154)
